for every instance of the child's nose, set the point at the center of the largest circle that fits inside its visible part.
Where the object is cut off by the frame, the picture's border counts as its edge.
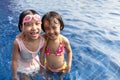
(51, 30)
(34, 27)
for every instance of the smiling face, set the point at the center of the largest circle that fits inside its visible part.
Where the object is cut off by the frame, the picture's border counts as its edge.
(32, 28)
(52, 28)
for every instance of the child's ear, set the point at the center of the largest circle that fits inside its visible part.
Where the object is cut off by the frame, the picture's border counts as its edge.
(21, 28)
(61, 27)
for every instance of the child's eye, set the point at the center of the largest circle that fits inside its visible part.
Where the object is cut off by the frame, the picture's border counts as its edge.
(54, 27)
(28, 24)
(38, 23)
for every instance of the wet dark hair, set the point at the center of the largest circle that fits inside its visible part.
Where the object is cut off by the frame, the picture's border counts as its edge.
(22, 15)
(52, 14)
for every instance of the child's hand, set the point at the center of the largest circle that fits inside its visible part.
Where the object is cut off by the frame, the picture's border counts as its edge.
(41, 70)
(15, 78)
(67, 69)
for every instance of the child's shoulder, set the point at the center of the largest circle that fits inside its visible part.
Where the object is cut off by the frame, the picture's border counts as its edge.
(64, 39)
(19, 36)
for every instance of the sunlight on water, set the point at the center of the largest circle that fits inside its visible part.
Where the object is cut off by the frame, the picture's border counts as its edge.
(92, 26)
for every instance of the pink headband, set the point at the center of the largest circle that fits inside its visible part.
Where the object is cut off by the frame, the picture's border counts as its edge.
(28, 18)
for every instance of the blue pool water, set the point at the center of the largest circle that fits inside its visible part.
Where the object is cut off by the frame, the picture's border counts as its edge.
(92, 26)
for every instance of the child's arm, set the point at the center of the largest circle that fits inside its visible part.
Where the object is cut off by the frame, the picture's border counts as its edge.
(69, 54)
(14, 60)
(42, 56)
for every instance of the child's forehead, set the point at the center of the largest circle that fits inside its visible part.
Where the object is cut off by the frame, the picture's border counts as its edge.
(51, 21)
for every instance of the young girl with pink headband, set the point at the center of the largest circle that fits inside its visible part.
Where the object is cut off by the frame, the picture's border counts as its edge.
(27, 45)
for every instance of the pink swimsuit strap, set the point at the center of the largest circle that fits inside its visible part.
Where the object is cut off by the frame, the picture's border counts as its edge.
(57, 52)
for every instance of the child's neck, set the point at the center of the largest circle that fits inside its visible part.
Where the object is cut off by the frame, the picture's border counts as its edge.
(29, 39)
(55, 40)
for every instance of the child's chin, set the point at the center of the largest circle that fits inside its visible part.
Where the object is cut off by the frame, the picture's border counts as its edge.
(36, 37)
(53, 38)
